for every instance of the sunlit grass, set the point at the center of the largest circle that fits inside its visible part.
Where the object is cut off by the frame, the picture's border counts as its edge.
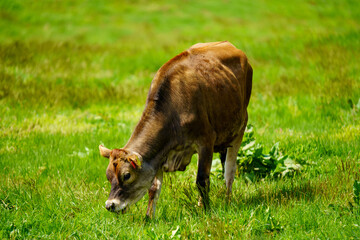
(74, 75)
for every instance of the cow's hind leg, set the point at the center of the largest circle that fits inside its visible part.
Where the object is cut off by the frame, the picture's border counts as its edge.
(154, 193)
(202, 179)
(230, 163)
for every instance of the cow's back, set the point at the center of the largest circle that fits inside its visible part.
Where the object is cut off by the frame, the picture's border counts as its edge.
(207, 88)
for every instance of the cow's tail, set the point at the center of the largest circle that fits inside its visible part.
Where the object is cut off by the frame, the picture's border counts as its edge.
(249, 76)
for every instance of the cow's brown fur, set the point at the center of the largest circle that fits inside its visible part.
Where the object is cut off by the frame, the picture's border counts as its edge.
(197, 102)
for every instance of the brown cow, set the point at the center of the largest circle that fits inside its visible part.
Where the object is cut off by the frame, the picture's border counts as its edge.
(197, 103)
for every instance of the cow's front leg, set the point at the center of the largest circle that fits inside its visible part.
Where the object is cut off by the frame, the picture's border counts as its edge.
(154, 192)
(202, 179)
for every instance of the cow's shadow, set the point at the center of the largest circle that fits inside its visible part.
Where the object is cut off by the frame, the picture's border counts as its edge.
(275, 192)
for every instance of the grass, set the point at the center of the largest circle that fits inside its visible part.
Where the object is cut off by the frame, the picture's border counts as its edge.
(75, 74)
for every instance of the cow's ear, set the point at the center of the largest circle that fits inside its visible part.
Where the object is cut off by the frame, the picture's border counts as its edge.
(135, 160)
(104, 151)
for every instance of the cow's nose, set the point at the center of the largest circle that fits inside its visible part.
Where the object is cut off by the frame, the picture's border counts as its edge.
(110, 206)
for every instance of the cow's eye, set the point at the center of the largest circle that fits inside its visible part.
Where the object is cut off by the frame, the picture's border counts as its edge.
(127, 176)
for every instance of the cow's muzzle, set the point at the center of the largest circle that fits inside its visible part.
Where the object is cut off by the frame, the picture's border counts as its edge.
(110, 206)
(114, 205)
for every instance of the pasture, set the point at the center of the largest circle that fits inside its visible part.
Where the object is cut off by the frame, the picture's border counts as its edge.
(75, 74)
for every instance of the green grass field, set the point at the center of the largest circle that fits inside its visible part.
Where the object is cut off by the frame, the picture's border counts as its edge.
(75, 74)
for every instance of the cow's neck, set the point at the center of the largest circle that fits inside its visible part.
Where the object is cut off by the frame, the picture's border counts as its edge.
(153, 137)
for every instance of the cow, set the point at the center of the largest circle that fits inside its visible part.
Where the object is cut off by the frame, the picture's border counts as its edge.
(197, 103)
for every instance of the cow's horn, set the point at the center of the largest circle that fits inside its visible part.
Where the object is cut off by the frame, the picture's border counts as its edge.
(135, 159)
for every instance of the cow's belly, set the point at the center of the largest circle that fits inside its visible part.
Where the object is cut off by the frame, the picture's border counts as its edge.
(178, 158)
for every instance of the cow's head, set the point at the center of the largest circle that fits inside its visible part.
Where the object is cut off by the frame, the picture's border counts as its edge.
(129, 176)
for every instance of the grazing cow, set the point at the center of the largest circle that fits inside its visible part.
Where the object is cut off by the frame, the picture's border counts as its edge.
(197, 103)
